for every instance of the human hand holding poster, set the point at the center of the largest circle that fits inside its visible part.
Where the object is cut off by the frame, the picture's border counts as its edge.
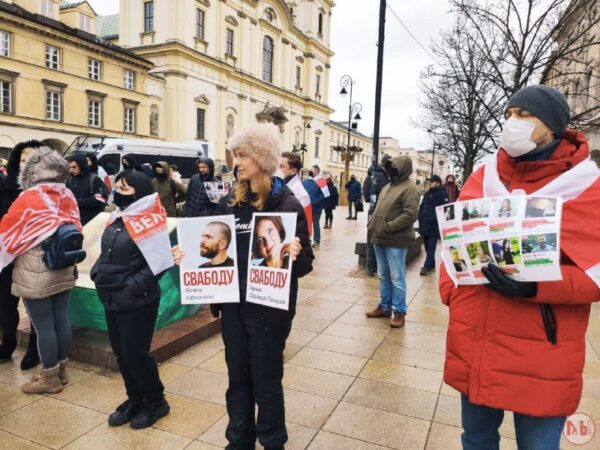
(269, 271)
(209, 272)
(520, 234)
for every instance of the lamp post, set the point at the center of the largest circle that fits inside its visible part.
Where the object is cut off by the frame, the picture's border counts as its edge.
(302, 147)
(353, 108)
(429, 130)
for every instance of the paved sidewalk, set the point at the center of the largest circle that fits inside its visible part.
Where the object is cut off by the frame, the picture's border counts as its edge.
(351, 382)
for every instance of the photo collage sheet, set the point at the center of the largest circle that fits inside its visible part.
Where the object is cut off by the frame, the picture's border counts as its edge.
(520, 234)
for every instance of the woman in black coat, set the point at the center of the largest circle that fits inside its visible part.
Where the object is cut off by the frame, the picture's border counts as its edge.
(428, 223)
(331, 203)
(130, 294)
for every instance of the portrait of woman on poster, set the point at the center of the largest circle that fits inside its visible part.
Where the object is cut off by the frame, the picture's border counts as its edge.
(507, 254)
(269, 249)
(505, 209)
(459, 264)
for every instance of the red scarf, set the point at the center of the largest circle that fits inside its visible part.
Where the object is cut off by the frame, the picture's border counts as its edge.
(35, 216)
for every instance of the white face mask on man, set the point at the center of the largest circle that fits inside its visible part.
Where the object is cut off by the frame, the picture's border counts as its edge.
(516, 137)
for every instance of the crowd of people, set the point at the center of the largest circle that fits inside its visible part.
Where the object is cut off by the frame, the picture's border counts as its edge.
(500, 354)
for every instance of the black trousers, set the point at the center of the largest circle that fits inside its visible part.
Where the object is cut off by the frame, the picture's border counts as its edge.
(130, 334)
(9, 314)
(328, 216)
(254, 356)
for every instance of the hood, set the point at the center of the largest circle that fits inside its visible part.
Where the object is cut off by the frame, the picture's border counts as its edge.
(44, 166)
(450, 176)
(131, 159)
(404, 166)
(94, 160)
(378, 169)
(211, 168)
(14, 162)
(79, 159)
(165, 167)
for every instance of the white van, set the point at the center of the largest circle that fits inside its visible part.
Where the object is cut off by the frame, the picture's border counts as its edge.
(111, 150)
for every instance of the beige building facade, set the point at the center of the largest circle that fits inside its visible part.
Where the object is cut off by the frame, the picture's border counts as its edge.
(359, 165)
(59, 81)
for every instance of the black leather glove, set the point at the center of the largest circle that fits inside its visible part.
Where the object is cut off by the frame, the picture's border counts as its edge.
(505, 285)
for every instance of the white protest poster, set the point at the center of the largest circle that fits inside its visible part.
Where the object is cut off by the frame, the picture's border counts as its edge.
(216, 190)
(270, 266)
(208, 272)
(519, 233)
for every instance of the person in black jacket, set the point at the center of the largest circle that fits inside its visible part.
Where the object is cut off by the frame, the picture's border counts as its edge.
(255, 335)
(331, 203)
(89, 190)
(9, 313)
(428, 223)
(381, 179)
(130, 293)
(197, 202)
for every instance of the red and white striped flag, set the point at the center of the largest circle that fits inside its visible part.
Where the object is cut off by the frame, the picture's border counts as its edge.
(322, 183)
(297, 188)
(35, 216)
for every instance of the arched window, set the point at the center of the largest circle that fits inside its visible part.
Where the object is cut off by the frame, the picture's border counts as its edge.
(320, 23)
(268, 59)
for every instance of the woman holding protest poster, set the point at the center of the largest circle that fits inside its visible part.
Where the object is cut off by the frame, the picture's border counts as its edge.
(136, 251)
(255, 335)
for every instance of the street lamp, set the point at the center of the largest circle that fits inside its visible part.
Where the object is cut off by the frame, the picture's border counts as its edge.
(302, 147)
(429, 130)
(347, 153)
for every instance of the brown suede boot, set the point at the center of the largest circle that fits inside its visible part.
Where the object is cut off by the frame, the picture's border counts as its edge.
(62, 372)
(378, 312)
(48, 382)
(397, 320)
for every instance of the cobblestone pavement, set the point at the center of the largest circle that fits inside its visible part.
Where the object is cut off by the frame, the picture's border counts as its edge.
(350, 382)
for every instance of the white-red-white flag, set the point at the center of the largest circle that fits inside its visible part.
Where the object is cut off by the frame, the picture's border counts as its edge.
(297, 188)
(322, 183)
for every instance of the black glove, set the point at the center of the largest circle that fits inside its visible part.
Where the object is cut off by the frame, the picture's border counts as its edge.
(505, 285)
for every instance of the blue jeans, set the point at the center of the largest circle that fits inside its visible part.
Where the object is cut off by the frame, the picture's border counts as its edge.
(316, 225)
(430, 244)
(480, 425)
(391, 268)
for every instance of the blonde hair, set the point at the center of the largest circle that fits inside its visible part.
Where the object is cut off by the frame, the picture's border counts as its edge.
(264, 183)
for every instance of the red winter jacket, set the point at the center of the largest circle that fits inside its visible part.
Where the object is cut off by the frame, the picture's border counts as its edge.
(497, 352)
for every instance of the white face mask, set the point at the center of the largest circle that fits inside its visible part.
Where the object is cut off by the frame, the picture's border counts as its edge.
(516, 137)
(279, 174)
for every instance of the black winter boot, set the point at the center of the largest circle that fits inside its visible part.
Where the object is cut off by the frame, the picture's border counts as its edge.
(31, 358)
(149, 413)
(9, 343)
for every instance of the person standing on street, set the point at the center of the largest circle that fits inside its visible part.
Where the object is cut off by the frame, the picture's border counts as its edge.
(197, 202)
(89, 190)
(381, 179)
(9, 312)
(44, 205)
(520, 345)
(317, 201)
(174, 173)
(354, 193)
(451, 188)
(331, 203)
(428, 223)
(97, 169)
(392, 232)
(169, 191)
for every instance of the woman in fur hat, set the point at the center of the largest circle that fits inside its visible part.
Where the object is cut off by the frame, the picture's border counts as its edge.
(255, 335)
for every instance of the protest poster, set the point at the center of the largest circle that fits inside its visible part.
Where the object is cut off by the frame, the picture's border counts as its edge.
(216, 190)
(270, 267)
(209, 271)
(520, 234)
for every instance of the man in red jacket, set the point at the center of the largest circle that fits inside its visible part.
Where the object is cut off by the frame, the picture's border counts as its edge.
(520, 346)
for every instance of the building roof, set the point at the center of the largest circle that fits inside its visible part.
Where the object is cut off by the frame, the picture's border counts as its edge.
(22, 13)
(344, 126)
(68, 5)
(107, 27)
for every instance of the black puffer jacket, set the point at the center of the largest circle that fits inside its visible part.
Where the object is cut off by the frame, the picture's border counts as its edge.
(122, 276)
(281, 200)
(197, 202)
(88, 200)
(381, 179)
(428, 223)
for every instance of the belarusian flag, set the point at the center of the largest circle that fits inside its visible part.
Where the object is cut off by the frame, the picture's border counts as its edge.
(297, 188)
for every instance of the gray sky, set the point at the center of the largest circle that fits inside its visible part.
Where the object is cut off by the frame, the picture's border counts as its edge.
(354, 38)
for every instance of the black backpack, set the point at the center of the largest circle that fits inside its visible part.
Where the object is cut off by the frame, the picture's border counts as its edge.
(65, 248)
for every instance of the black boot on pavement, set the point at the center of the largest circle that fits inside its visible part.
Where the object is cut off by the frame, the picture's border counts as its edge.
(31, 358)
(124, 413)
(149, 413)
(9, 344)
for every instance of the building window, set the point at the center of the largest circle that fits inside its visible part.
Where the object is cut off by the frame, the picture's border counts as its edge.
(4, 43)
(200, 24)
(318, 86)
(148, 17)
(48, 8)
(95, 113)
(52, 57)
(298, 77)
(85, 23)
(129, 114)
(129, 79)
(317, 142)
(200, 122)
(320, 24)
(229, 42)
(53, 105)
(6, 91)
(268, 59)
(94, 69)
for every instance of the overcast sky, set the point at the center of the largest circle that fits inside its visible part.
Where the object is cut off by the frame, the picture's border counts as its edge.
(354, 38)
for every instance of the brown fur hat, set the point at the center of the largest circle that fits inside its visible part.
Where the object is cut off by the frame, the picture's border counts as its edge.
(261, 142)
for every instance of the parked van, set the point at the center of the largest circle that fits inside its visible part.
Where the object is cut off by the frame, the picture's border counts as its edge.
(111, 150)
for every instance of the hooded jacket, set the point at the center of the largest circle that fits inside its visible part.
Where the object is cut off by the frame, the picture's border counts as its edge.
(31, 278)
(428, 223)
(169, 191)
(497, 352)
(89, 190)
(197, 202)
(333, 200)
(391, 224)
(282, 200)
(381, 178)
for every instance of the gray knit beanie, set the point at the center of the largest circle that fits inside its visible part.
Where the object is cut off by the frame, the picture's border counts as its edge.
(546, 103)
